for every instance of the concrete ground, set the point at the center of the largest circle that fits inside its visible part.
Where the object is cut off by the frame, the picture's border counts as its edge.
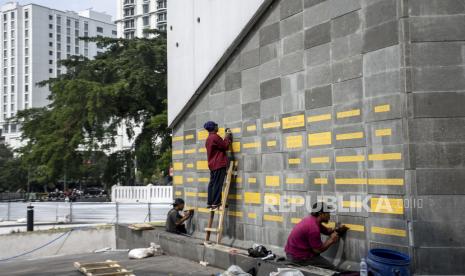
(63, 265)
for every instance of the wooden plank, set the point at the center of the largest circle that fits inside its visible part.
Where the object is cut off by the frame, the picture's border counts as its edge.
(211, 229)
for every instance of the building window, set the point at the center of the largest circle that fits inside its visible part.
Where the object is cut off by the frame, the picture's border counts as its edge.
(68, 31)
(50, 53)
(76, 41)
(161, 4)
(50, 17)
(114, 32)
(129, 24)
(26, 33)
(13, 128)
(26, 97)
(26, 105)
(68, 22)
(50, 44)
(86, 26)
(86, 52)
(12, 89)
(76, 24)
(26, 61)
(145, 8)
(26, 51)
(76, 33)
(50, 26)
(58, 55)
(26, 89)
(99, 30)
(161, 17)
(50, 71)
(12, 69)
(50, 35)
(26, 14)
(68, 40)
(58, 29)
(58, 37)
(145, 20)
(76, 50)
(26, 79)
(12, 15)
(68, 48)
(5, 127)
(50, 61)
(5, 17)
(58, 46)
(58, 20)
(129, 12)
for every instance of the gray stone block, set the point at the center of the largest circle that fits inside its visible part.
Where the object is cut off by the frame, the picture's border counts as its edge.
(250, 128)
(378, 182)
(436, 261)
(216, 101)
(347, 46)
(451, 181)
(292, 63)
(233, 97)
(341, 7)
(387, 157)
(217, 115)
(383, 60)
(345, 25)
(318, 97)
(317, 35)
(346, 69)
(318, 76)
(251, 41)
(320, 160)
(253, 183)
(450, 78)
(350, 159)
(189, 123)
(383, 84)
(321, 181)
(440, 28)
(271, 124)
(433, 130)
(250, 59)
(384, 108)
(293, 102)
(272, 162)
(252, 163)
(381, 36)
(355, 234)
(317, 14)
(233, 113)
(269, 70)
(295, 160)
(376, 224)
(291, 122)
(444, 104)
(348, 113)
(438, 208)
(446, 156)
(349, 181)
(233, 81)
(270, 107)
(311, 3)
(437, 54)
(436, 7)
(293, 43)
(269, 52)
(293, 83)
(251, 110)
(318, 55)
(270, 88)
(384, 133)
(269, 34)
(296, 181)
(349, 136)
(250, 85)
(271, 143)
(290, 7)
(292, 25)
(380, 12)
(348, 91)
(294, 141)
(218, 84)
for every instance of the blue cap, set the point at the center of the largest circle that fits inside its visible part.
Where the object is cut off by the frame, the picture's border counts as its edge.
(210, 126)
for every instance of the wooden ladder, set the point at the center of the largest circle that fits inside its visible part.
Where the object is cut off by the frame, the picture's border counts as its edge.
(222, 209)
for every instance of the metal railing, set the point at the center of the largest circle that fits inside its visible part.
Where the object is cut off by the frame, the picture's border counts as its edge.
(142, 194)
(85, 212)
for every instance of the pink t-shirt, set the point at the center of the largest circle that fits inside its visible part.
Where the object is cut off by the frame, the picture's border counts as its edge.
(304, 236)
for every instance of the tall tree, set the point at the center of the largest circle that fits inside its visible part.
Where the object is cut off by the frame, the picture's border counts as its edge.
(124, 85)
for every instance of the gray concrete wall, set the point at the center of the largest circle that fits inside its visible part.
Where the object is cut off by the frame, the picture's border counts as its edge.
(345, 98)
(78, 241)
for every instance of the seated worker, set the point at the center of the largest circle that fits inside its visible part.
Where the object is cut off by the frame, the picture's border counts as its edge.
(174, 221)
(304, 244)
(217, 162)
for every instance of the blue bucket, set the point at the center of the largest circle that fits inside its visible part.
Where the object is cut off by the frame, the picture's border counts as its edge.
(385, 262)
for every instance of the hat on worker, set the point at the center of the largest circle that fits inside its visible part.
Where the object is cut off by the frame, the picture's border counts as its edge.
(178, 201)
(210, 126)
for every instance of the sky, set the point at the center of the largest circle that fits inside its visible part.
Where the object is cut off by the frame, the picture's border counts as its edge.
(108, 6)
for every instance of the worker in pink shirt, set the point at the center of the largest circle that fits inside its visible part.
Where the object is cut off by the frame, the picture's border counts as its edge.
(304, 244)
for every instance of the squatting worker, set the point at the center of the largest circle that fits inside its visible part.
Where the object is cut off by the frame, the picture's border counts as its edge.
(217, 162)
(304, 244)
(174, 220)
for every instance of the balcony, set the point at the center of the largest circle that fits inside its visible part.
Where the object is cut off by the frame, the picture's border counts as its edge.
(129, 3)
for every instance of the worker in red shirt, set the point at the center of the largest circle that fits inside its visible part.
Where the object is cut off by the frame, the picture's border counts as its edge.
(304, 244)
(217, 162)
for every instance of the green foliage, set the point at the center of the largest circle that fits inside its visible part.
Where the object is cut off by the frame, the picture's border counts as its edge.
(13, 176)
(124, 85)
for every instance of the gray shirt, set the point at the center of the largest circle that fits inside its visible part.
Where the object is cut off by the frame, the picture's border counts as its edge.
(171, 219)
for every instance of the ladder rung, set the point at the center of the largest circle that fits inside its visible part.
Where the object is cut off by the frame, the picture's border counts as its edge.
(211, 229)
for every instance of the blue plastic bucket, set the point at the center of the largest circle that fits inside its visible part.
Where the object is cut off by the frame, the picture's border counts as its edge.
(385, 262)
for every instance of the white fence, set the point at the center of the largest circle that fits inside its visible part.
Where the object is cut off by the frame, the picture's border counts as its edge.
(142, 194)
(86, 212)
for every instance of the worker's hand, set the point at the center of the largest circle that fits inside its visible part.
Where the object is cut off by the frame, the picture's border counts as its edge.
(187, 213)
(334, 237)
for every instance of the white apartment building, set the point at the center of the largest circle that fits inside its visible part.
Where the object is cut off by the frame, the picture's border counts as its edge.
(133, 16)
(33, 39)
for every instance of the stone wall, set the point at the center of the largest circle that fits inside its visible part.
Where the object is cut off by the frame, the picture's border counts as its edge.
(344, 98)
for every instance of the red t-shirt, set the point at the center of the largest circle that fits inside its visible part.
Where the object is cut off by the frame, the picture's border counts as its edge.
(304, 237)
(216, 151)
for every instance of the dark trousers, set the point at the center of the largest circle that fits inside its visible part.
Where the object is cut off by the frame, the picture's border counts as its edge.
(215, 187)
(316, 260)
